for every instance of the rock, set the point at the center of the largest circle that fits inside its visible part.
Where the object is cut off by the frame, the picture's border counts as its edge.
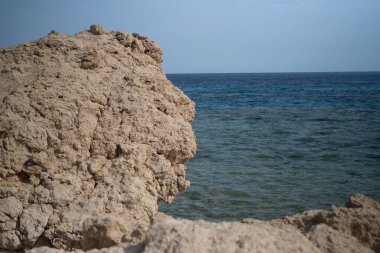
(300, 233)
(10, 240)
(10, 209)
(82, 148)
(33, 222)
(362, 201)
(330, 240)
(102, 233)
(97, 30)
(140, 44)
(91, 61)
(115, 249)
(178, 235)
(362, 223)
(45, 250)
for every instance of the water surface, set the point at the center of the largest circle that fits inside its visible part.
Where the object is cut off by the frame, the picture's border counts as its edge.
(271, 145)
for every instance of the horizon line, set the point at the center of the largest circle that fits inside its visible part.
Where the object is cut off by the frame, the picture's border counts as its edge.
(280, 72)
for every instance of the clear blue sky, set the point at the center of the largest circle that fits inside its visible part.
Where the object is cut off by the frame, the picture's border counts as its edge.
(203, 36)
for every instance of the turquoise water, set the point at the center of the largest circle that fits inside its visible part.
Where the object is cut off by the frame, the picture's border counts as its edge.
(271, 145)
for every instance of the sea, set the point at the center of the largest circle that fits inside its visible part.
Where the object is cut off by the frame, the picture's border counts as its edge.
(277, 144)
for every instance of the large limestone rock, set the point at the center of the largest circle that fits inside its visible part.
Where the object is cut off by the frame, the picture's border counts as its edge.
(92, 136)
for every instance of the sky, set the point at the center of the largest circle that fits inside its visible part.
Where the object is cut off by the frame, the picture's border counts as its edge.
(219, 36)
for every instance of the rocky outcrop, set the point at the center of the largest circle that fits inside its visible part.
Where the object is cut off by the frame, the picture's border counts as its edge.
(182, 236)
(329, 240)
(355, 228)
(299, 233)
(178, 235)
(341, 229)
(92, 136)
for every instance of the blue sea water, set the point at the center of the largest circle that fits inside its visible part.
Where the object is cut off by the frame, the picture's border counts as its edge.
(271, 145)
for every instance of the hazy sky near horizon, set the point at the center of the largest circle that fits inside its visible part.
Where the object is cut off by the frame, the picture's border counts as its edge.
(209, 36)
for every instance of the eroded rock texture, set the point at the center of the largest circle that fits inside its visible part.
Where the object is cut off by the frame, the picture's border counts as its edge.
(185, 236)
(182, 236)
(323, 231)
(92, 136)
(341, 229)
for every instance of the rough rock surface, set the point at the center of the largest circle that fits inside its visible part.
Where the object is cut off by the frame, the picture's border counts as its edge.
(337, 230)
(92, 136)
(359, 220)
(329, 240)
(361, 201)
(184, 236)
(355, 228)
(178, 235)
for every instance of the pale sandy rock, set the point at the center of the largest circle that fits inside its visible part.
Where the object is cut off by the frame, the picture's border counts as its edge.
(361, 201)
(10, 209)
(10, 240)
(115, 249)
(362, 223)
(178, 235)
(103, 233)
(90, 130)
(45, 250)
(329, 240)
(33, 221)
(97, 30)
(307, 232)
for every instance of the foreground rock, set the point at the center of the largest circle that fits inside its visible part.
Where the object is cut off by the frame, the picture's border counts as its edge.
(183, 236)
(341, 229)
(290, 234)
(330, 240)
(92, 136)
(177, 235)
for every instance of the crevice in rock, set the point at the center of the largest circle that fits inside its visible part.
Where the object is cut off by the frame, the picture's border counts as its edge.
(118, 150)
(24, 177)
